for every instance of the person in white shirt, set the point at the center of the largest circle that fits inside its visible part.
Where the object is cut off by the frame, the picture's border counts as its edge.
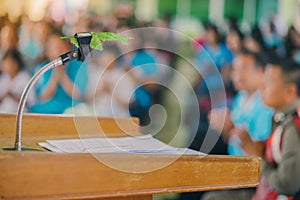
(110, 88)
(13, 80)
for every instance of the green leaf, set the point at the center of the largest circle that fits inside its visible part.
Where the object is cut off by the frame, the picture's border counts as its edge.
(98, 38)
(72, 39)
(96, 44)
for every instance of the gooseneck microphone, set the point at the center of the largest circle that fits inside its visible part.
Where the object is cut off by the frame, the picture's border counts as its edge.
(82, 53)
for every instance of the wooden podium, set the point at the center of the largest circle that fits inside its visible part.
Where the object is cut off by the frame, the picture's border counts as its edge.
(48, 175)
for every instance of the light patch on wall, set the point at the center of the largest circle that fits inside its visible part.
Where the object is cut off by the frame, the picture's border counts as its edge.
(36, 10)
(13, 8)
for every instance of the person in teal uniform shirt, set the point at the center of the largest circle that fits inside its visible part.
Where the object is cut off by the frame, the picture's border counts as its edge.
(63, 87)
(247, 114)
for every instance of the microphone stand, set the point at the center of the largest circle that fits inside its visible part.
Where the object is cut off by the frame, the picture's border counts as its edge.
(82, 53)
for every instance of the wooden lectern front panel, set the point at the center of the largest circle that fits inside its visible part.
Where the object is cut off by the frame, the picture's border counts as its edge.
(52, 175)
(143, 197)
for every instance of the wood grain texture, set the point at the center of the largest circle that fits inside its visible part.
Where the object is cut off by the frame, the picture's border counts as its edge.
(47, 175)
(56, 125)
(50, 175)
(140, 197)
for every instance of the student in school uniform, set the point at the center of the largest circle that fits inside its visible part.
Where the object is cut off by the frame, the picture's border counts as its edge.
(280, 174)
(248, 114)
(63, 87)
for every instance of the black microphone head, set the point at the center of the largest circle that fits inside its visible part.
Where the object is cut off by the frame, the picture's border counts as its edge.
(84, 40)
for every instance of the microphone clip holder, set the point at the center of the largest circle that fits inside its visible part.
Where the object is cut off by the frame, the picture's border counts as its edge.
(83, 52)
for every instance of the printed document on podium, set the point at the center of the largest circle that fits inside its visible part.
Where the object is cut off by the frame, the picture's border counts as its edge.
(136, 145)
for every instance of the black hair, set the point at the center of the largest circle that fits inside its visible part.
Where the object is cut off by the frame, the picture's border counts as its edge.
(238, 32)
(214, 28)
(233, 27)
(257, 35)
(290, 71)
(260, 59)
(15, 55)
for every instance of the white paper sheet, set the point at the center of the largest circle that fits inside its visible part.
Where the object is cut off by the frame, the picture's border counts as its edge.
(136, 145)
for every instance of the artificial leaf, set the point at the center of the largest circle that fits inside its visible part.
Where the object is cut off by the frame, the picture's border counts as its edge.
(96, 44)
(98, 38)
(72, 39)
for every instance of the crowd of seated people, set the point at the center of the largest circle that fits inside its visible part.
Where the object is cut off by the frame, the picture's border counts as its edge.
(93, 84)
(249, 119)
(258, 63)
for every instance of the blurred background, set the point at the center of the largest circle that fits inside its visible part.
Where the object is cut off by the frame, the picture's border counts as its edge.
(187, 13)
(30, 33)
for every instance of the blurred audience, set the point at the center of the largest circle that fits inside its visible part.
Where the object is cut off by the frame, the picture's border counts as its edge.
(34, 37)
(13, 79)
(292, 44)
(254, 41)
(281, 158)
(211, 60)
(143, 69)
(248, 115)
(60, 88)
(219, 55)
(8, 38)
(141, 58)
(110, 88)
(234, 41)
